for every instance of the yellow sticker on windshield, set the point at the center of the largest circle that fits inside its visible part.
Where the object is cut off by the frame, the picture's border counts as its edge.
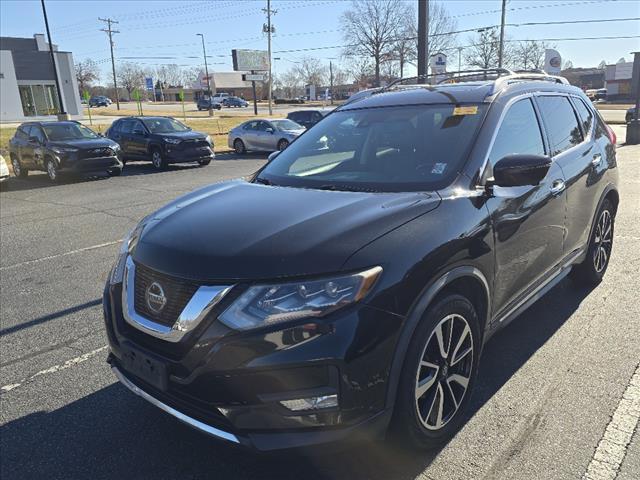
(468, 110)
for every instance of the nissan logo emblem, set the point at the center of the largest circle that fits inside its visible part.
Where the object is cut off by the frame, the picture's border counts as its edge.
(156, 299)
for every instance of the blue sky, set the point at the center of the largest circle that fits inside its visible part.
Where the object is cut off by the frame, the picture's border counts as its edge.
(168, 28)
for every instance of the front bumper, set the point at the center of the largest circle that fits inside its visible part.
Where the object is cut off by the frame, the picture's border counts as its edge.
(88, 165)
(230, 385)
(178, 155)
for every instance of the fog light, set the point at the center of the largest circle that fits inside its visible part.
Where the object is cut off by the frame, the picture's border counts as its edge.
(312, 403)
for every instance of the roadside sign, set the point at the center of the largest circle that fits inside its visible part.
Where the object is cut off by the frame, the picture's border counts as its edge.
(253, 77)
(149, 83)
(250, 60)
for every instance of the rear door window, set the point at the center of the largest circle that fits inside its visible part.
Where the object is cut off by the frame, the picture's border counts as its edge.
(519, 133)
(126, 126)
(586, 117)
(562, 125)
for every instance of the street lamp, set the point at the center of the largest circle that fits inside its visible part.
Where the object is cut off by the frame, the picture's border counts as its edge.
(206, 71)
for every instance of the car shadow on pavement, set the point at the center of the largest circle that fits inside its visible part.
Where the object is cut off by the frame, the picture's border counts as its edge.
(37, 180)
(113, 434)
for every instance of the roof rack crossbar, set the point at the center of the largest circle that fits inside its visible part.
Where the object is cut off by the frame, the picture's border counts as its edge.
(453, 75)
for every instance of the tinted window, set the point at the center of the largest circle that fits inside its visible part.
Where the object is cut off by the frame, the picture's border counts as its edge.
(404, 148)
(68, 131)
(21, 133)
(262, 126)
(518, 133)
(163, 125)
(561, 123)
(37, 132)
(126, 126)
(250, 126)
(586, 117)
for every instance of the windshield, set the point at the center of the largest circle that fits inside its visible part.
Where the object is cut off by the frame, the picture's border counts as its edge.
(286, 124)
(164, 125)
(67, 131)
(408, 148)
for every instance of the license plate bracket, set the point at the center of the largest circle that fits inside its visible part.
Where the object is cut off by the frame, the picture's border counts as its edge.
(145, 367)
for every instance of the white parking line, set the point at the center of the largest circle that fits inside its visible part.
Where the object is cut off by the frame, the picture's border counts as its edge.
(612, 448)
(56, 368)
(79, 250)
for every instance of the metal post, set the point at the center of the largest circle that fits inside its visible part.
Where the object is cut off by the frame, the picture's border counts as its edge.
(62, 115)
(206, 71)
(331, 79)
(110, 32)
(269, 51)
(501, 51)
(423, 39)
(255, 100)
(633, 127)
(459, 59)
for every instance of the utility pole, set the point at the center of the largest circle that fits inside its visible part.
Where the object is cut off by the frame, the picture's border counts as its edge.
(110, 32)
(331, 79)
(269, 29)
(206, 72)
(62, 115)
(423, 39)
(459, 59)
(501, 51)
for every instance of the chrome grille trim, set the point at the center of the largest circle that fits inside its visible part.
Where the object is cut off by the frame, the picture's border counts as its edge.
(201, 303)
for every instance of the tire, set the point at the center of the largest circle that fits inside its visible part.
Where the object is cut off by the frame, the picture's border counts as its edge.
(52, 170)
(157, 159)
(592, 269)
(282, 144)
(238, 146)
(115, 172)
(18, 171)
(431, 400)
(204, 163)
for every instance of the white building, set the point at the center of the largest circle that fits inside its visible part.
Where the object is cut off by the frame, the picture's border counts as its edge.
(27, 80)
(618, 80)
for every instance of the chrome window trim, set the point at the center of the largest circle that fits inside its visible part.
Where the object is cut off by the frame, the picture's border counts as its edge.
(192, 422)
(201, 303)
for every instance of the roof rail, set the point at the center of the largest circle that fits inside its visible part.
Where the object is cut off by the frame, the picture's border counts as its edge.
(454, 76)
(502, 82)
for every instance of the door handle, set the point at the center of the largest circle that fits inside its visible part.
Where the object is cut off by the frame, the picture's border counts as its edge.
(557, 187)
(597, 158)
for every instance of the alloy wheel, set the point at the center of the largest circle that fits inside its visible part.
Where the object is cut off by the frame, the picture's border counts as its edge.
(602, 241)
(51, 170)
(16, 167)
(156, 159)
(444, 371)
(238, 146)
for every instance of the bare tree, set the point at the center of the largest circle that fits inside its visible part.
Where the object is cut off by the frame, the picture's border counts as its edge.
(190, 77)
(372, 28)
(130, 77)
(404, 49)
(361, 70)
(602, 65)
(484, 49)
(441, 26)
(87, 72)
(170, 75)
(567, 65)
(528, 55)
(311, 72)
(290, 83)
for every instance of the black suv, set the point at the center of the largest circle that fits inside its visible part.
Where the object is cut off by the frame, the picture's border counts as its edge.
(62, 147)
(163, 140)
(308, 118)
(208, 104)
(100, 101)
(348, 287)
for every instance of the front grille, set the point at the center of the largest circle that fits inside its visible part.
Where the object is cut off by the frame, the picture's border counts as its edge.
(190, 144)
(178, 292)
(98, 152)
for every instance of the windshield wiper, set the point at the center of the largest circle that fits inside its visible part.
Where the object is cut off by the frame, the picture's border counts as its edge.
(262, 181)
(345, 188)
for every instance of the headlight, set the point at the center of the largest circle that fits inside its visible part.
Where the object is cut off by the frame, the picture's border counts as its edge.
(126, 248)
(63, 150)
(263, 305)
(208, 140)
(172, 141)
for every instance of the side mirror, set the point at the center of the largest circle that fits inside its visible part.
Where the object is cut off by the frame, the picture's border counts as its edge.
(520, 169)
(101, 134)
(269, 130)
(273, 156)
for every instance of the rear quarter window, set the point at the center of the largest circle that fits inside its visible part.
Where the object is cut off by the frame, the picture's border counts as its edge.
(586, 117)
(561, 122)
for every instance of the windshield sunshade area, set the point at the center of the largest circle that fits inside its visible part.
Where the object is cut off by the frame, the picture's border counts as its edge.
(404, 148)
(164, 125)
(67, 131)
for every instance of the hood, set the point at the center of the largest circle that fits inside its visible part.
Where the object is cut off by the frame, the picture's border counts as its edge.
(188, 135)
(84, 143)
(243, 231)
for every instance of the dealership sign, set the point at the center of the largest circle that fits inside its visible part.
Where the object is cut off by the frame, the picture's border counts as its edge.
(552, 61)
(253, 77)
(438, 62)
(250, 60)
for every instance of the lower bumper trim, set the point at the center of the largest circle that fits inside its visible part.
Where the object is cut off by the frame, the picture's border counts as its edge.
(192, 422)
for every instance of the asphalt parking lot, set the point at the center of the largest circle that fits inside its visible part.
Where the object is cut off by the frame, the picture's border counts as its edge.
(550, 385)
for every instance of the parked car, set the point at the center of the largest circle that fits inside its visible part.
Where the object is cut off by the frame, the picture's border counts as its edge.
(62, 147)
(100, 101)
(208, 104)
(4, 170)
(629, 115)
(162, 140)
(308, 118)
(234, 102)
(220, 96)
(346, 289)
(263, 135)
(601, 94)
